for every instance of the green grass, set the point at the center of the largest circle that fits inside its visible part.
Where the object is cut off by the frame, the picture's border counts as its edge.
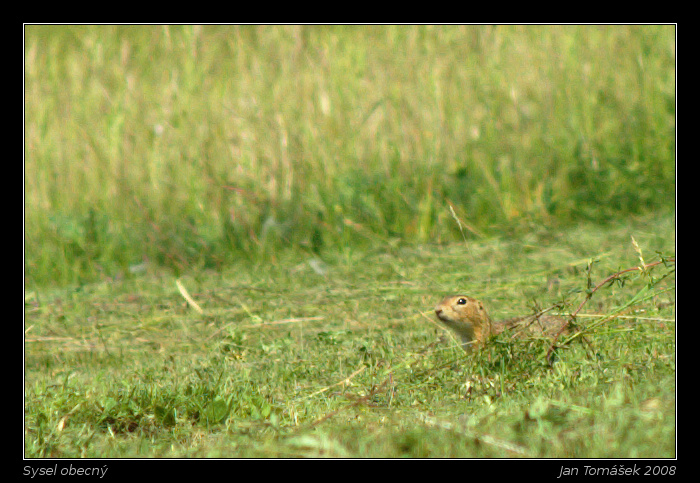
(316, 190)
(342, 358)
(196, 147)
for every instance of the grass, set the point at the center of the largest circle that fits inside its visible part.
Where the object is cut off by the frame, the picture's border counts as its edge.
(342, 358)
(234, 236)
(193, 147)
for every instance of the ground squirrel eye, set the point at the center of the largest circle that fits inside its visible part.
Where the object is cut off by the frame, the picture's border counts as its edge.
(462, 302)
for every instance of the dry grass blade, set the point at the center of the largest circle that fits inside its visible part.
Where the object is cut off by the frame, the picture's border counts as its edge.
(345, 381)
(484, 438)
(190, 300)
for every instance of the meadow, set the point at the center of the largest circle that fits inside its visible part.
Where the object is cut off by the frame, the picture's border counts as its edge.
(234, 237)
(344, 358)
(191, 147)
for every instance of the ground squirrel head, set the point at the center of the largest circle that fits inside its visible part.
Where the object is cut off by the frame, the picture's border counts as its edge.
(466, 317)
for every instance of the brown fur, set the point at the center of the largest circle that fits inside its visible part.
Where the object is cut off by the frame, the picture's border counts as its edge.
(470, 321)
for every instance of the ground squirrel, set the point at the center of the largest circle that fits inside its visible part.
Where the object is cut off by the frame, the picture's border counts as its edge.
(468, 318)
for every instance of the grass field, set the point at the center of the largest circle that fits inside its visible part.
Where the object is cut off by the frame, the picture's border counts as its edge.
(235, 235)
(344, 359)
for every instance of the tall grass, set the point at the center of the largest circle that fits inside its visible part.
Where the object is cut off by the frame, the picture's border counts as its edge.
(197, 145)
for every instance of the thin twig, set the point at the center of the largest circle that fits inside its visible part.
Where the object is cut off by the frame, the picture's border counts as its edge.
(459, 223)
(357, 402)
(462, 224)
(263, 325)
(589, 295)
(293, 320)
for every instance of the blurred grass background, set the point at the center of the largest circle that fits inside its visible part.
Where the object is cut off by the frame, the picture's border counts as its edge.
(196, 146)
